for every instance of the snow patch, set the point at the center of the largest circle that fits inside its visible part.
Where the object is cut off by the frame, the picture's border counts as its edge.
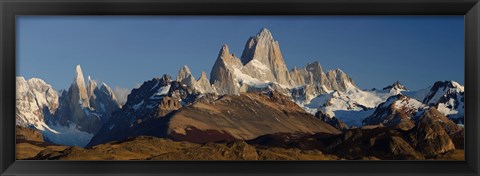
(70, 135)
(259, 65)
(137, 106)
(163, 90)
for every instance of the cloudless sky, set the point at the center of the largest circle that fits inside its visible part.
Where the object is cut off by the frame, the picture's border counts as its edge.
(125, 51)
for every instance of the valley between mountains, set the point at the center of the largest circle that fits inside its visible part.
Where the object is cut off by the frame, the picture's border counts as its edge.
(248, 108)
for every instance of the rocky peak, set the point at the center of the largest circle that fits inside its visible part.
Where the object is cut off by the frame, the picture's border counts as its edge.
(86, 107)
(203, 75)
(299, 77)
(227, 58)
(165, 80)
(222, 75)
(264, 35)
(432, 133)
(397, 111)
(185, 76)
(91, 86)
(315, 68)
(104, 88)
(203, 85)
(184, 73)
(448, 97)
(338, 80)
(395, 86)
(263, 59)
(441, 90)
(78, 88)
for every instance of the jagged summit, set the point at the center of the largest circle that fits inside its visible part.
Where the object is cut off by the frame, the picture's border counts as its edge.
(314, 67)
(225, 50)
(263, 59)
(184, 73)
(264, 34)
(78, 72)
(262, 62)
(185, 76)
(398, 110)
(257, 47)
(395, 86)
(35, 101)
(82, 102)
(203, 75)
(203, 84)
(104, 88)
(78, 89)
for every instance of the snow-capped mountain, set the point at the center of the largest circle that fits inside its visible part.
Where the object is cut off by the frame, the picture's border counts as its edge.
(351, 105)
(354, 105)
(156, 98)
(448, 98)
(395, 88)
(333, 93)
(152, 101)
(397, 111)
(35, 100)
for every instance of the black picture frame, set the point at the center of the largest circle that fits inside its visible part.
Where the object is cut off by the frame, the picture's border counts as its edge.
(9, 9)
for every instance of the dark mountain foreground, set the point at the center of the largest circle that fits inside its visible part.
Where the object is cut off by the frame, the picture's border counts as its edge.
(356, 144)
(153, 148)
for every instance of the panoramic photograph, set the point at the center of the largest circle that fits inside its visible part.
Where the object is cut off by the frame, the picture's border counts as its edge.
(240, 88)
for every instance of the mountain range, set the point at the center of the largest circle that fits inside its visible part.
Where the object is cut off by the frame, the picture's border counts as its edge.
(245, 98)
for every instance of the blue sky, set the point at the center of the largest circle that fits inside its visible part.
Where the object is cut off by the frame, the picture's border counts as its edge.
(125, 51)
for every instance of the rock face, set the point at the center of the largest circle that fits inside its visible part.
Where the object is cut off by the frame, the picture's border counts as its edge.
(300, 77)
(397, 111)
(85, 106)
(223, 75)
(338, 80)
(318, 76)
(36, 102)
(104, 102)
(203, 84)
(263, 59)
(432, 133)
